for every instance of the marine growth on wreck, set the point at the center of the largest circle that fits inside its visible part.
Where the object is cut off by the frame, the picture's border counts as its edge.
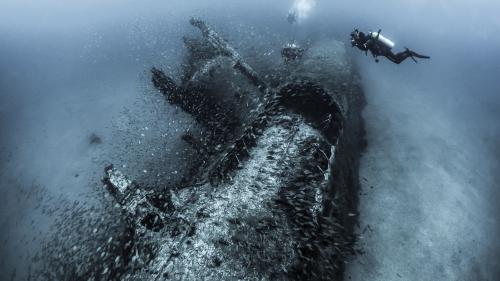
(272, 193)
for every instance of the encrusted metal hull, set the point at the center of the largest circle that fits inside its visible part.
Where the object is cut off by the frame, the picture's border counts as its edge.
(273, 193)
(271, 199)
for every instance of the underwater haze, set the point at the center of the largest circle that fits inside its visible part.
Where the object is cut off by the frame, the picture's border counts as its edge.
(75, 95)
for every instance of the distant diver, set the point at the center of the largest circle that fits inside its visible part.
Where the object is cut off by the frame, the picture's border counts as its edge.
(292, 52)
(379, 45)
(292, 17)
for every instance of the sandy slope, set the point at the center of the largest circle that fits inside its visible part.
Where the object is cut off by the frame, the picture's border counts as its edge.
(429, 204)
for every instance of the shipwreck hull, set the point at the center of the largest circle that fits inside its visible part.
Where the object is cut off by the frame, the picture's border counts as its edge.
(273, 193)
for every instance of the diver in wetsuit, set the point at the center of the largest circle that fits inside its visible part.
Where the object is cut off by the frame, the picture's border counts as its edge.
(378, 45)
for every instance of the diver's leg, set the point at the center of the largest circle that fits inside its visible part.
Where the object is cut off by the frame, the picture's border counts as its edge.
(413, 54)
(399, 57)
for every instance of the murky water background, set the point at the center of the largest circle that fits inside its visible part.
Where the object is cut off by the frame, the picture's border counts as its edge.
(71, 72)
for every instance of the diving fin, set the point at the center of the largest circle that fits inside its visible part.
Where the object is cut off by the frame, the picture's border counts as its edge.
(414, 55)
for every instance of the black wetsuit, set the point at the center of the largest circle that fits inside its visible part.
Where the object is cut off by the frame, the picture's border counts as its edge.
(368, 43)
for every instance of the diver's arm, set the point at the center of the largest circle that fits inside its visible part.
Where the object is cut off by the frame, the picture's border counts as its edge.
(368, 44)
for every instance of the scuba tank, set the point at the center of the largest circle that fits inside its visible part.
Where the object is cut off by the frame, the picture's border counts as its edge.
(383, 40)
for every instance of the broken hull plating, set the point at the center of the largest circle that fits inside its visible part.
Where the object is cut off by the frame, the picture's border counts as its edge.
(273, 193)
(278, 202)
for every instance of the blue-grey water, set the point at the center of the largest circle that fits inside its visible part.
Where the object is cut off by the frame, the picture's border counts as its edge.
(429, 205)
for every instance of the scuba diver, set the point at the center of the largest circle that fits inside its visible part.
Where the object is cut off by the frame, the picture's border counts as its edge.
(292, 52)
(292, 17)
(379, 45)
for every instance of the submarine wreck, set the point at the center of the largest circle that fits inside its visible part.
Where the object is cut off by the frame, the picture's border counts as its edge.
(273, 192)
